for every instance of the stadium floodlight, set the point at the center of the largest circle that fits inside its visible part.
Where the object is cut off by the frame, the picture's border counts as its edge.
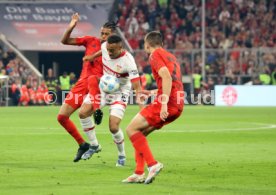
(4, 90)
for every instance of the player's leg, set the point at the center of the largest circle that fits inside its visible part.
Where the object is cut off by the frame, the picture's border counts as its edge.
(142, 151)
(148, 130)
(152, 116)
(72, 102)
(136, 130)
(139, 159)
(138, 139)
(116, 115)
(63, 118)
(87, 110)
(88, 126)
(94, 92)
(138, 176)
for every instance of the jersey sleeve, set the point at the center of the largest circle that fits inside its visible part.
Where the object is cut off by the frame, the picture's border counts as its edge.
(157, 61)
(84, 40)
(132, 69)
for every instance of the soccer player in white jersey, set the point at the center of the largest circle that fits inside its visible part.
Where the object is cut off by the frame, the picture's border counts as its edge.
(120, 63)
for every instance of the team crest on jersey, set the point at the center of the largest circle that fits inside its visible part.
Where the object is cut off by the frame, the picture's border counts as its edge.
(119, 68)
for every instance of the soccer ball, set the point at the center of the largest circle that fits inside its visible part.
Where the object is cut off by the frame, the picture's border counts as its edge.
(109, 83)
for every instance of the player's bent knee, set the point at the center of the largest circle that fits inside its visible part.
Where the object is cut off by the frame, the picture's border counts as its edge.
(148, 130)
(114, 128)
(62, 118)
(130, 131)
(84, 114)
(85, 111)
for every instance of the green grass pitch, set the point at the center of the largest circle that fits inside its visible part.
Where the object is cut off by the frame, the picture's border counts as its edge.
(208, 150)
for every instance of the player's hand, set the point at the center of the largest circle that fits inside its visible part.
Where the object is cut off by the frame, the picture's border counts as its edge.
(74, 20)
(140, 100)
(164, 112)
(88, 58)
(142, 96)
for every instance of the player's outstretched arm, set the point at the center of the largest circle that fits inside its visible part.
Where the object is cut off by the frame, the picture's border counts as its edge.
(90, 58)
(66, 39)
(166, 88)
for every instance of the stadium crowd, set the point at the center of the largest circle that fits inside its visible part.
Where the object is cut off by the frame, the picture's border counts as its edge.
(229, 23)
(240, 42)
(24, 84)
(25, 88)
(233, 29)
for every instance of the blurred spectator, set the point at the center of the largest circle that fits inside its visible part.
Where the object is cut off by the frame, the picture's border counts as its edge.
(132, 24)
(3, 72)
(24, 96)
(51, 81)
(197, 81)
(64, 84)
(15, 92)
(32, 93)
(42, 94)
(133, 41)
(64, 81)
(264, 77)
(73, 79)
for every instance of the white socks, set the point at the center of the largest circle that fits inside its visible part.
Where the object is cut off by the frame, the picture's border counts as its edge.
(88, 127)
(118, 139)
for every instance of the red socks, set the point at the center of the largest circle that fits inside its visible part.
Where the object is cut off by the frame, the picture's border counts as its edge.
(140, 163)
(140, 144)
(94, 91)
(70, 128)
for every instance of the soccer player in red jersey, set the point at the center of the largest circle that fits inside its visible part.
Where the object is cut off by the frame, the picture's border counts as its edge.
(166, 107)
(90, 71)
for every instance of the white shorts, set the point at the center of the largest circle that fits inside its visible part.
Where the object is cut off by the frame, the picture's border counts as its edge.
(117, 102)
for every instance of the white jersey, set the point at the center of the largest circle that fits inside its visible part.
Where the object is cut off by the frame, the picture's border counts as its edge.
(125, 69)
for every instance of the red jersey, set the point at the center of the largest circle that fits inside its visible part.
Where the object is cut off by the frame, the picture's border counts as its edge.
(162, 58)
(92, 45)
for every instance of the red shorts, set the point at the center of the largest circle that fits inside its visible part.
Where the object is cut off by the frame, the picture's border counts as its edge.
(77, 94)
(152, 114)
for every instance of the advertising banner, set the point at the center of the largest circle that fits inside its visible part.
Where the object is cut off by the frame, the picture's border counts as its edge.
(40, 27)
(237, 95)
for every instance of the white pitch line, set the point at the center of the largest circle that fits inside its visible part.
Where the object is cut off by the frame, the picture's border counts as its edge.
(59, 131)
(222, 130)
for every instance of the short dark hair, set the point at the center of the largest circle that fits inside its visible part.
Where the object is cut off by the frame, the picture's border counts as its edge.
(154, 38)
(114, 39)
(111, 25)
